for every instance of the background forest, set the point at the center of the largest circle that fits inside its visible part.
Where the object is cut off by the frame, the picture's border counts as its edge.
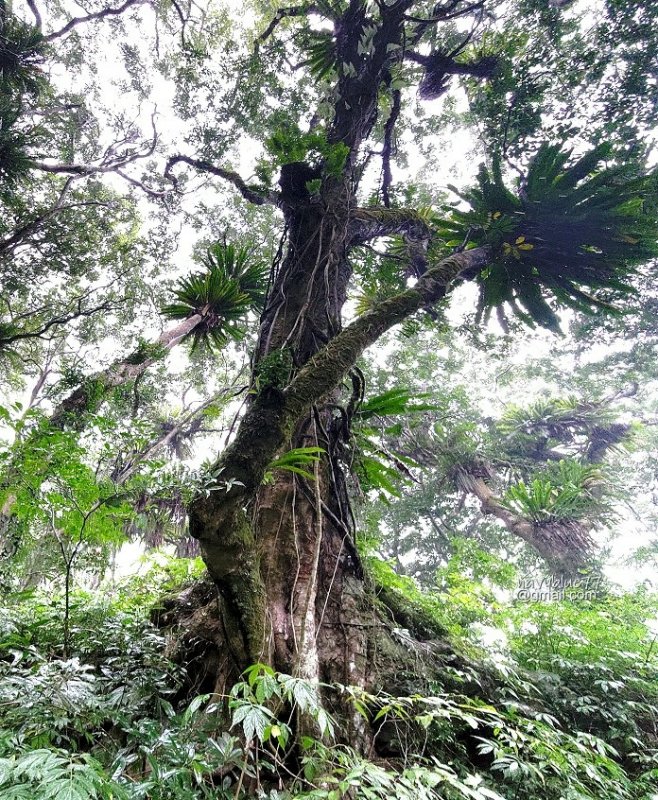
(329, 401)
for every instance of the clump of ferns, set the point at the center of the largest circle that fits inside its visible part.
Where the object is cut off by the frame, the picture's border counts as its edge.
(232, 285)
(21, 56)
(567, 490)
(572, 234)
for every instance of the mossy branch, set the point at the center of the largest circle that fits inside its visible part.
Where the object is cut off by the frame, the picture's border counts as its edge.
(373, 223)
(327, 368)
(274, 414)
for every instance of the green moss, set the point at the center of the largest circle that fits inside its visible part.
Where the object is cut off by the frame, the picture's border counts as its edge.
(274, 369)
(230, 553)
(411, 608)
(146, 351)
(93, 391)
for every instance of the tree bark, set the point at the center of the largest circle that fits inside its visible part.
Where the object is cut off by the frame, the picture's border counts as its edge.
(280, 547)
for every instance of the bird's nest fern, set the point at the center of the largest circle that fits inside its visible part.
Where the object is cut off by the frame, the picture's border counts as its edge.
(572, 232)
(232, 285)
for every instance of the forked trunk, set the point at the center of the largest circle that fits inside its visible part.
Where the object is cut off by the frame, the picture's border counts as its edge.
(303, 559)
(278, 545)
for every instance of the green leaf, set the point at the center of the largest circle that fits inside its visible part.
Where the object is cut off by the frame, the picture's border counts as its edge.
(253, 718)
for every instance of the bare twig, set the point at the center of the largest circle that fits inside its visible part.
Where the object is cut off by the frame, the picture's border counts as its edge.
(5, 341)
(130, 467)
(25, 230)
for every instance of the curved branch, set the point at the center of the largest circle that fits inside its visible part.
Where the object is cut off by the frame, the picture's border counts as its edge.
(282, 13)
(5, 341)
(270, 418)
(565, 545)
(106, 12)
(326, 368)
(37, 14)
(21, 233)
(375, 223)
(252, 195)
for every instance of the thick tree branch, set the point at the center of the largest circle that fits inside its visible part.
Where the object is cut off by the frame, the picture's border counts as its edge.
(439, 68)
(89, 396)
(251, 194)
(565, 545)
(367, 224)
(272, 416)
(326, 369)
(374, 223)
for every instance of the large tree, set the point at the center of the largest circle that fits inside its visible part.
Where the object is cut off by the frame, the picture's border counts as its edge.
(281, 551)
(326, 90)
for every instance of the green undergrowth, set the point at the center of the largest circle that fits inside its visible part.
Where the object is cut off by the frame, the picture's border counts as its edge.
(572, 714)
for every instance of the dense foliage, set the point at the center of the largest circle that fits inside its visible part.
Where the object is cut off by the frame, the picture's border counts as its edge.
(559, 704)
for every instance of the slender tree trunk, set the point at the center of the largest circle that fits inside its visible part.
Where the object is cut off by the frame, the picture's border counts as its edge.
(89, 396)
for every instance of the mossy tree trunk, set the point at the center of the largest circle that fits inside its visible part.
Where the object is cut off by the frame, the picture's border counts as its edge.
(565, 545)
(88, 397)
(281, 551)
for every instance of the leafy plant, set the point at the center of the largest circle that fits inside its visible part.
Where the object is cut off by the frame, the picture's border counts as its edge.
(21, 56)
(232, 285)
(398, 400)
(377, 467)
(568, 226)
(55, 775)
(566, 490)
(289, 145)
(296, 460)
